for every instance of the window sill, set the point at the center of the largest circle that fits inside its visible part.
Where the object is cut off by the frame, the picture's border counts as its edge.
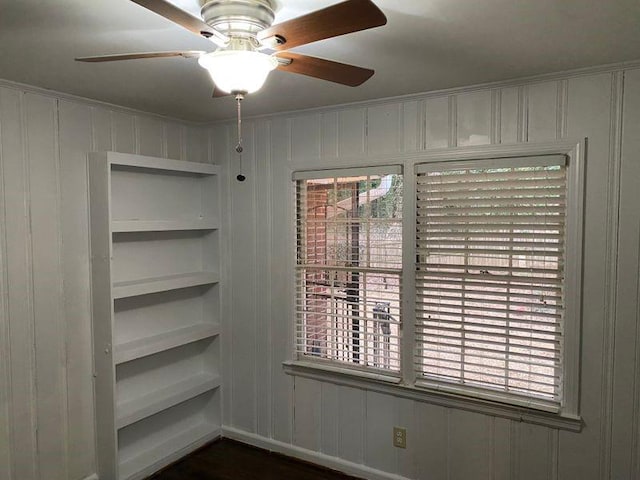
(391, 385)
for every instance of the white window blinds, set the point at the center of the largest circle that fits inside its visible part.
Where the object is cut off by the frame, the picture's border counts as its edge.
(349, 261)
(489, 276)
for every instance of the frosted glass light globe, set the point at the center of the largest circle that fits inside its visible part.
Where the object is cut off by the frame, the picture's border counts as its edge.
(238, 70)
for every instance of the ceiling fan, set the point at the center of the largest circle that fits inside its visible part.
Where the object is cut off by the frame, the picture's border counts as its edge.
(243, 32)
(250, 47)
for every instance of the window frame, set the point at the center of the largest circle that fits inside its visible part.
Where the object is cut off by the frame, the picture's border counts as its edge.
(568, 417)
(482, 392)
(393, 376)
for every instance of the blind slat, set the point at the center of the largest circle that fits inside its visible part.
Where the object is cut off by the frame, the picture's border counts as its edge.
(488, 306)
(488, 219)
(533, 351)
(500, 191)
(492, 305)
(472, 333)
(500, 268)
(437, 204)
(490, 353)
(503, 372)
(513, 234)
(489, 243)
(550, 209)
(489, 252)
(474, 296)
(340, 317)
(507, 358)
(468, 313)
(422, 278)
(469, 374)
(458, 185)
(461, 172)
(483, 275)
(493, 331)
(339, 268)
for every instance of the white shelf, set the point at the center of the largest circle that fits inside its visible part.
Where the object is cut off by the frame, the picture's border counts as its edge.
(124, 226)
(173, 448)
(143, 347)
(162, 284)
(153, 402)
(153, 163)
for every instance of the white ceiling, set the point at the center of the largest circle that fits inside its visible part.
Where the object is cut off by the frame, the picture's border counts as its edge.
(426, 45)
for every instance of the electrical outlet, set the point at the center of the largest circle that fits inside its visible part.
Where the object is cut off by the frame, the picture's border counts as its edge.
(399, 437)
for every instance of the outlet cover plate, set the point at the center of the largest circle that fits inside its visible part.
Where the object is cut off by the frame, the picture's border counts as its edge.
(399, 437)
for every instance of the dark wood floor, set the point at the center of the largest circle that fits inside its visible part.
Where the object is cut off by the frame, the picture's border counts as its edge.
(229, 460)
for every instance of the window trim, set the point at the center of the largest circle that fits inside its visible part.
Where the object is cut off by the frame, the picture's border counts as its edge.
(323, 363)
(347, 172)
(393, 387)
(515, 162)
(568, 417)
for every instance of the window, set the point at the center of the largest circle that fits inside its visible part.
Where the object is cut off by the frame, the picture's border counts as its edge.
(481, 310)
(349, 265)
(490, 274)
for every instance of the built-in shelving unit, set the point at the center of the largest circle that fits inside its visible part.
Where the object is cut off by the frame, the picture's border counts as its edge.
(155, 274)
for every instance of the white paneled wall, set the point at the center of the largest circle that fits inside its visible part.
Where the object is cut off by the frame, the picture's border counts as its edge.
(301, 416)
(46, 392)
(46, 398)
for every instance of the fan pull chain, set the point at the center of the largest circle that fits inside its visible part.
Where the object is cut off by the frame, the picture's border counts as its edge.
(239, 149)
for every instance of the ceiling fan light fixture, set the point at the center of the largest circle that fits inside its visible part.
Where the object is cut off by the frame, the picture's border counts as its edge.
(238, 71)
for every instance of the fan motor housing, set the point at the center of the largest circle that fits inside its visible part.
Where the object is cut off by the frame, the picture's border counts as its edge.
(239, 18)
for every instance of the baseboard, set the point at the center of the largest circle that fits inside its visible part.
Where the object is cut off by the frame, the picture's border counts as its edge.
(334, 463)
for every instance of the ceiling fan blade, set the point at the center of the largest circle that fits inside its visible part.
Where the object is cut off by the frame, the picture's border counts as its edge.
(346, 17)
(135, 56)
(184, 19)
(324, 69)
